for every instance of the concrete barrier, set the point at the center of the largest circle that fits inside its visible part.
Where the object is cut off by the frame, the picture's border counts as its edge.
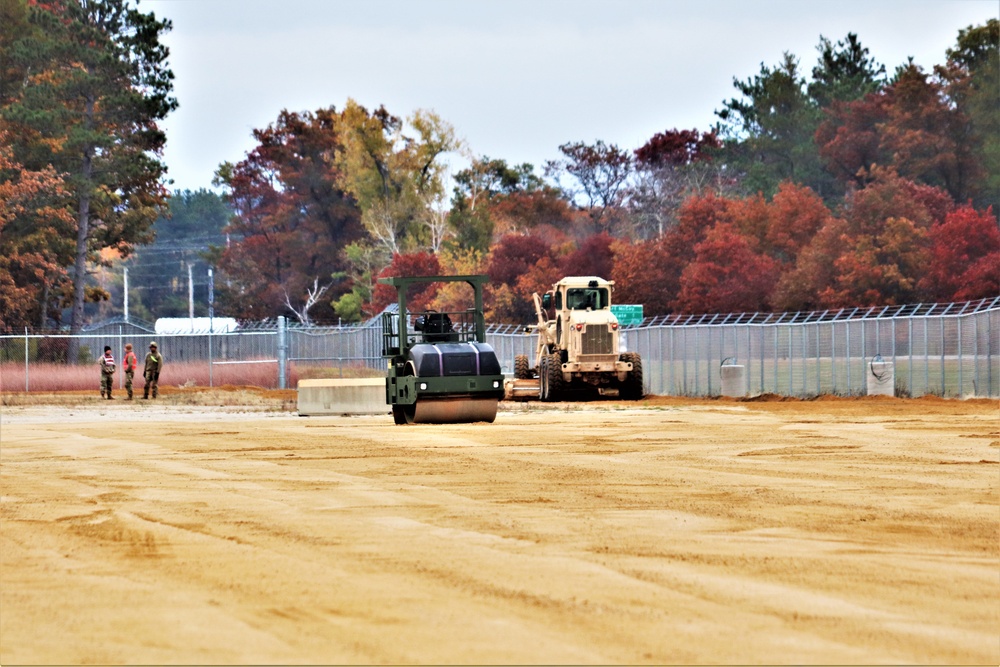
(734, 381)
(357, 396)
(881, 379)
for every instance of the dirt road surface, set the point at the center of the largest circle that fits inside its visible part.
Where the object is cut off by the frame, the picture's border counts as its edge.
(840, 531)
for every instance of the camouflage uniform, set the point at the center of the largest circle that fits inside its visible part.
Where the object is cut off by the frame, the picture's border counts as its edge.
(107, 373)
(151, 371)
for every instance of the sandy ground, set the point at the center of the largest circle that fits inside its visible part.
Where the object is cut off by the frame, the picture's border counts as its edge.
(670, 531)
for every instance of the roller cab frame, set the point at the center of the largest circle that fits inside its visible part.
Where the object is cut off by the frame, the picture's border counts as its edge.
(440, 368)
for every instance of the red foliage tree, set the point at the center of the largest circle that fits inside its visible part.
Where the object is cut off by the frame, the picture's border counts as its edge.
(593, 257)
(676, 148)
(515, 255)
(799, 287)
(849, 140)
(891, 196)
(642, 272)
(880, 269)
(511, 257)
(965, 257)
(408, 264)
(928, 135)
(292, 218)
(727, 275)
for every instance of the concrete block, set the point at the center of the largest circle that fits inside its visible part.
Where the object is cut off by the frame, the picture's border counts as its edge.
(734, 380)
(881, 380)
(356, 396)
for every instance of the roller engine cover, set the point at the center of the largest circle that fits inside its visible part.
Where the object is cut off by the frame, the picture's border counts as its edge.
(454, 359)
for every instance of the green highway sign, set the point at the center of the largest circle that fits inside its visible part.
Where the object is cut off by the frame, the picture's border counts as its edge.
(628, 314)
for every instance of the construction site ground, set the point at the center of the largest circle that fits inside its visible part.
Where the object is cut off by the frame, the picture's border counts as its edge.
(838, 531)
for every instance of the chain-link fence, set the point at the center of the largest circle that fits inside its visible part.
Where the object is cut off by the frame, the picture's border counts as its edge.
(949, 350)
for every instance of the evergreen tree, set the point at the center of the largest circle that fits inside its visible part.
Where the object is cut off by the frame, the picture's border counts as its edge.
(97, 84)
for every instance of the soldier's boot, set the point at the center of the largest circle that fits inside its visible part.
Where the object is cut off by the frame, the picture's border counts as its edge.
(145, 395)
(109, 395)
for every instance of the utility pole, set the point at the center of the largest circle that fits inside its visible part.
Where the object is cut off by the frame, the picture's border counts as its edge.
(211, 299)
(126, 294)
(190, 296)
(211, 314)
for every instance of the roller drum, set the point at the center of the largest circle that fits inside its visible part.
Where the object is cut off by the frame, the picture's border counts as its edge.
(451, 411)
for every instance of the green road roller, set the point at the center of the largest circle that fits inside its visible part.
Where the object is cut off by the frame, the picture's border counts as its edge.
(441, 371)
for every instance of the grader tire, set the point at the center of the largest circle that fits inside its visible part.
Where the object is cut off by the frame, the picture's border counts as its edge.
(522, 369)
(552, 382)
(631, 389)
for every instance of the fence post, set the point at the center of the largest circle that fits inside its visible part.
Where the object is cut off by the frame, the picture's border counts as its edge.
(942, 357)
(975, 355)
(847, 353)
(819, 370)
(909, 343)
(26, 359)
(958, 323)
(282, 353)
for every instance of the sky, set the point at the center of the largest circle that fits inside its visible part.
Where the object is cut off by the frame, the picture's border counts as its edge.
(516, 79)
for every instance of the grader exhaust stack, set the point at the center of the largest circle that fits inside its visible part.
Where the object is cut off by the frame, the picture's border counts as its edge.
(442, 371)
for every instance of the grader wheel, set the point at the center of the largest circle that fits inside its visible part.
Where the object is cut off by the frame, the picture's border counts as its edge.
(522, 368)
(551, 377)
(631, 389)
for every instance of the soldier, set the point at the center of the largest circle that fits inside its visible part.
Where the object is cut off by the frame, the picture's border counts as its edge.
(107, 363)
(151, 370)
(130, 363)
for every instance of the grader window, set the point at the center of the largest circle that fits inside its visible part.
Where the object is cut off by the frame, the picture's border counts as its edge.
(582, 298)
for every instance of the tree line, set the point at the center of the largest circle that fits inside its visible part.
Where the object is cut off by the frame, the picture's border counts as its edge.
(850, 187)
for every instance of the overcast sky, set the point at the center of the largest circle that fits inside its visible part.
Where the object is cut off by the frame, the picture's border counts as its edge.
(516, 79)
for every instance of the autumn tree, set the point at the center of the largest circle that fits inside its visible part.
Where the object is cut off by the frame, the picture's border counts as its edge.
(292, 220)
(395, 174)
(643, 274)
(97, 84)
(872, 253)
(928, 136)
(849, 138)
(727, 275)
(478, 189)
(593, 256)
(595, 177)
(964, 257)
(421, 295)
(36, 244)
(512, 257)
(670, 167)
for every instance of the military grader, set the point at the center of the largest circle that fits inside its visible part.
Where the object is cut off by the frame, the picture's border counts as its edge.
(578, 351)
(441, 371)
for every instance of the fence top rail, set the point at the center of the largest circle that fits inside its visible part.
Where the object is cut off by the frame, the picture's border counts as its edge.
(269, 327)
(830, 315)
